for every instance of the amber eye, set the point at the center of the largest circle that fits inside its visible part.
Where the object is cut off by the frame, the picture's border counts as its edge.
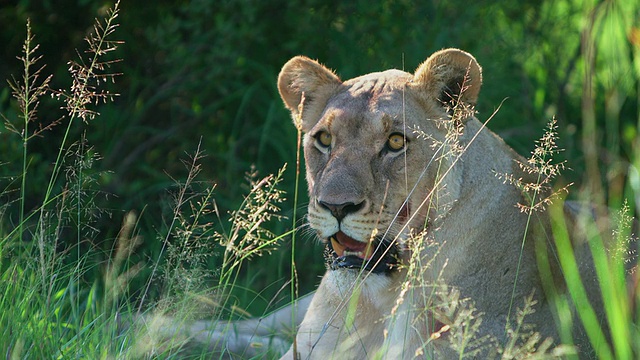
(396, 142)
(324, 139)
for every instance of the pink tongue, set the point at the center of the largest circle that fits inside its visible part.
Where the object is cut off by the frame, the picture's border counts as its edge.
(350, 243)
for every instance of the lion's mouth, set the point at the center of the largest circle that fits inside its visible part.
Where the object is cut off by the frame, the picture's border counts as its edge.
(378, 256)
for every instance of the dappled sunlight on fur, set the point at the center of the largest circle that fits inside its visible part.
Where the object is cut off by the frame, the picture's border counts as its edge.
(434, 230)
(440, 182)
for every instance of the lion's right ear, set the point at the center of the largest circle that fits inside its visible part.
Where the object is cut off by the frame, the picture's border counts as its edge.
(450, 74)
(303, 76)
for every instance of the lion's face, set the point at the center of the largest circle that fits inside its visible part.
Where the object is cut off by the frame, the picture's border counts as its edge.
(362, 162)
(374, 152)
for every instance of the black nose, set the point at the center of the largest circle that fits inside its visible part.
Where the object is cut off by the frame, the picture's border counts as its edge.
(339, 211)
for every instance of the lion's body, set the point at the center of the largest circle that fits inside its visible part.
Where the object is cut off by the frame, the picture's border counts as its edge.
(358, 185)
(408, 190)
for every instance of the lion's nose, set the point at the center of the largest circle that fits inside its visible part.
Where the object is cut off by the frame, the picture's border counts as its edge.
(339, 211)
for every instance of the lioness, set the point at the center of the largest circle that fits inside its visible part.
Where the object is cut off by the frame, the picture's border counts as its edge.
(407, 191)
(392, 155)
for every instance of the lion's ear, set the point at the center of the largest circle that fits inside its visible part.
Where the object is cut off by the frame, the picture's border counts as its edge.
(303, 76)
(450, 74)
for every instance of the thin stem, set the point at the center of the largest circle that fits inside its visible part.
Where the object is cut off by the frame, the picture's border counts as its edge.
(524, 238)
(25, 130)
(180, 201)
(293, 283)
(76, 102)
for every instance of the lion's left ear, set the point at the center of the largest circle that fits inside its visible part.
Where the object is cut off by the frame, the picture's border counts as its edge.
(450, 74)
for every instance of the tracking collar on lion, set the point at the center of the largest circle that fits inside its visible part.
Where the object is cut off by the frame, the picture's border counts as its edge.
(400, 172)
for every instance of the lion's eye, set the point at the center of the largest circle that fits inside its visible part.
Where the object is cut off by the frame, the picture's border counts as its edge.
(396, 142)
(323, 139)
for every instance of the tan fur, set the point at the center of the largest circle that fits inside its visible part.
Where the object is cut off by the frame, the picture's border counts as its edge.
(458, 203)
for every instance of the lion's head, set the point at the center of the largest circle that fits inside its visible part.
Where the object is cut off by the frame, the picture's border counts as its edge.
(376, 147)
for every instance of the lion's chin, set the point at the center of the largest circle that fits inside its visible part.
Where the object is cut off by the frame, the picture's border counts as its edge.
(378, 256)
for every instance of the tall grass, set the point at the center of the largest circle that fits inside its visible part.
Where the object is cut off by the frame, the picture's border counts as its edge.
(60, 301)
(74, 301)
(48, 309)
